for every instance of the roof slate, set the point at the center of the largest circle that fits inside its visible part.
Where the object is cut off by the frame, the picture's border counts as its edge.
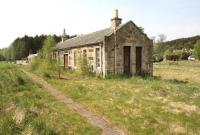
(88, 39)
(91, 38)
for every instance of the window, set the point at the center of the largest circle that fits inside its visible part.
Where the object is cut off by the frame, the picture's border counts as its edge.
(61, 58)
(75, 58)
(85, 54)
(70, 57)
(97, 57)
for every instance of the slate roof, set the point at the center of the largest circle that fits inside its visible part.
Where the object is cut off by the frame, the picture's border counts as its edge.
(88, 39)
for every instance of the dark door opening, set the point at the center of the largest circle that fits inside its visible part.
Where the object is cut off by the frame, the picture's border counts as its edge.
(127, 52)
(138, 60)
(65, 60)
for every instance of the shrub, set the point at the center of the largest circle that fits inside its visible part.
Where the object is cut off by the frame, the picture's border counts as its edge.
(34, 64)
(166, 53)
(169, 55)
(173, 56)
(197, 49)
(185, 55)
(83, 65)
(176, 55)
(47, 48)
(157, 58)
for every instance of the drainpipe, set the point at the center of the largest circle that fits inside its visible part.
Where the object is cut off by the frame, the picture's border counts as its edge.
(115, 50)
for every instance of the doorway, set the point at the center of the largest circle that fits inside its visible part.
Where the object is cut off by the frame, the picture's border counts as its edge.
(138, 60)
(127, 52)
(65, 60)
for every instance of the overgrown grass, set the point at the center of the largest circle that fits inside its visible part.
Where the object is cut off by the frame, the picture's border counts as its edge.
(147, 105)
(188, 71)
(25, 108)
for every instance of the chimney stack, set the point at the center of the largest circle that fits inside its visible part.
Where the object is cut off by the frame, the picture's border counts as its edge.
(64, 36)
(116, 21)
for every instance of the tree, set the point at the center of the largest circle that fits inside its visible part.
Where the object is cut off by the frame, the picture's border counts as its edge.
(197, 49)
(162, 38)
(22, 47)
(49, 44)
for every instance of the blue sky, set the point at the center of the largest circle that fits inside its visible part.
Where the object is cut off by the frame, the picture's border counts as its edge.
(175, 18)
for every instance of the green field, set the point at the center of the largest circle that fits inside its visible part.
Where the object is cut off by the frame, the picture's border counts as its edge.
(27, 109)
(165, 104)
(188, 71)
(168, 103)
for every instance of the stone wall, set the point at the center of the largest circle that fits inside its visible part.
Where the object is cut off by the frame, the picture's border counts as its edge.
(90, 56)
(128, 35)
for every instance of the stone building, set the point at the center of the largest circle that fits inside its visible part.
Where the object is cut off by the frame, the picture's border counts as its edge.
(118, 49)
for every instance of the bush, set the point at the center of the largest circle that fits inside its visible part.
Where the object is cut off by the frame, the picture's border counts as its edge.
(176, 55)
(157, 58)
(185, 55)
(34, 64)
(197, 49)
(173, 56)
(83, 65)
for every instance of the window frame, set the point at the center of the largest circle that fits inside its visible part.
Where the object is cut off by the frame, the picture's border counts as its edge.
(97, 58)
(75, 58)
(69, 57)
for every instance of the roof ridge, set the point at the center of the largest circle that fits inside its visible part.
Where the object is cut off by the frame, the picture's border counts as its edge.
(89, 38)
(88, 34)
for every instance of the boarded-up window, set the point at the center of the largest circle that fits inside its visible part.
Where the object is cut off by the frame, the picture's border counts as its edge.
(97, 57)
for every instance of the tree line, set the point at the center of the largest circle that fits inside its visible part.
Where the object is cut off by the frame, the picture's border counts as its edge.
(22, 47)
(176, 49)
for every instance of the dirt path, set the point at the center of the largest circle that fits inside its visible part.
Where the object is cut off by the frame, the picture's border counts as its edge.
(92, 118)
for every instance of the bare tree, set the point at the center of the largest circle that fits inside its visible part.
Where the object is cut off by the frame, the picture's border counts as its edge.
(161, 38)
(153, 38)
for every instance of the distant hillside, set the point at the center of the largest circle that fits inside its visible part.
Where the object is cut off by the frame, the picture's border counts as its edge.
(181, 43)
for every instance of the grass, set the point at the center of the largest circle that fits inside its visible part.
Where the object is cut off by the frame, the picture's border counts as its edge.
(152, 105)
(188, 71)
(25, 108)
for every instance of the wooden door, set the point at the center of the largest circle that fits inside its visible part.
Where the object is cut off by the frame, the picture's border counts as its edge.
(65, 60)
(138, 60)
(127, 52)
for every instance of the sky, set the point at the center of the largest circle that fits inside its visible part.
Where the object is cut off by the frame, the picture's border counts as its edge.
(174, 18)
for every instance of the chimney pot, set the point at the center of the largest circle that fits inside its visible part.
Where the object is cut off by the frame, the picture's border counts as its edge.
(116, 13)
(64, 36)
(116, 21)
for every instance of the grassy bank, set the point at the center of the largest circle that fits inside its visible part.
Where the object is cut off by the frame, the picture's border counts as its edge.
(137, 105)
(25, 108)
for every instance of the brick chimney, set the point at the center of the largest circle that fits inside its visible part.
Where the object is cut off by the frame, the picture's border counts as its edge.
(116, 21)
